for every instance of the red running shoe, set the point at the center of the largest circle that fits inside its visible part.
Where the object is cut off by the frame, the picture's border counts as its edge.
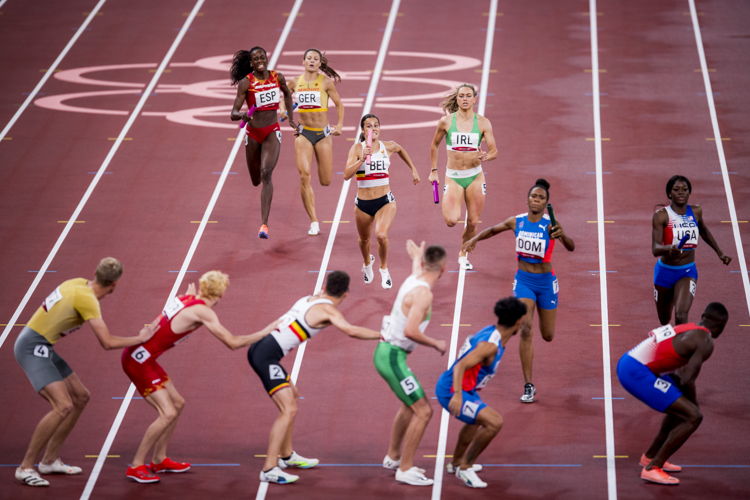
(658, 476)
(169, 465)
(667, 467)
(141, 474)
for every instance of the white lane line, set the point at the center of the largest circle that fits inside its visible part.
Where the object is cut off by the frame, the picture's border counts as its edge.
(99, 173)
(51, 69)
(437, 485)
(606, 363)
(375, 79)
(720, 152)
(2, 2)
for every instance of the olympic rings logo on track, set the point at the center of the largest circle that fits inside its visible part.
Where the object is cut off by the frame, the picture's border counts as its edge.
(215, 116)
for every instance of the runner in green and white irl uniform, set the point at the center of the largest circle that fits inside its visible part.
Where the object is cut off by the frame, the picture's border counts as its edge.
(402, 330)
(464, 131)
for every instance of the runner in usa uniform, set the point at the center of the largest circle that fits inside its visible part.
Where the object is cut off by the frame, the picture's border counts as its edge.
(464, 131)
(457, 388)
(535, 282)
(675, 273)
(375, 203)
(402, 330)
(311, 92)
(181, 316)
(661, 372)
(73, 303)
(261, 89)
(308, 316)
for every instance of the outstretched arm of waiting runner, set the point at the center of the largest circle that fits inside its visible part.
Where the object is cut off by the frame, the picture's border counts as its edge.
(416, 253)
(507, 225)
(339, 321)
(109, 341)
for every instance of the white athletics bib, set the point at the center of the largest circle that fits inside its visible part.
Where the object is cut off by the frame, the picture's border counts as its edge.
(531, 244)
(174, 306)
(52, 299)
(662, 333)
(267, 97)
(464, 141)
(308, 99)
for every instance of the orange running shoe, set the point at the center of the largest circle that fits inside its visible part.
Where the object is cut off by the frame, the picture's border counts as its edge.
(658, 476)
(263, 232)
(169, 465)
(667, 467)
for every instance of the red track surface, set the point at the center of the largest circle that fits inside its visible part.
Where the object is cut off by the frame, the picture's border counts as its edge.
(539, 100)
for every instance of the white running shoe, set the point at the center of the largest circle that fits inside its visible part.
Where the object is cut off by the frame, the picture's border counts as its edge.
(58, 467)
(367, 273)
(314, 229)
(529, 393)
(463, 263)
(298, 461)
(470, 478)
(389, 463)
(413, 476)
(278, 476)
(30, 477)
(451, 469)
(385, 279)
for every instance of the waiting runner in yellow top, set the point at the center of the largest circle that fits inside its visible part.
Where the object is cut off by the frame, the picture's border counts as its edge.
(464, 130)
(311, 92)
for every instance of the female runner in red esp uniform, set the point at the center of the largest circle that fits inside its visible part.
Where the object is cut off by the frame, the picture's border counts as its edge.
(260, 88)
(181, 316)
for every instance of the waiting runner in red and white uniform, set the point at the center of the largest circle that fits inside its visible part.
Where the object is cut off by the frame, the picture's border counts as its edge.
(375, 204)
(260, 88)
(661, 371)
(307, 317)
(182, 316)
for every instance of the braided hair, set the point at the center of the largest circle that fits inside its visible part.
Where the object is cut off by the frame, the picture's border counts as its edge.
(241, 64)
(324, 67)
(450, 102)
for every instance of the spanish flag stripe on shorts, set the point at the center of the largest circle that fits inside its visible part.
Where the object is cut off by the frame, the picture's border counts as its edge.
(299, 331)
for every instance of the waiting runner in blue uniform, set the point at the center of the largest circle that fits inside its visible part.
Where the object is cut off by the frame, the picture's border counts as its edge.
(457, 389)
(535, 282)
(675, 273)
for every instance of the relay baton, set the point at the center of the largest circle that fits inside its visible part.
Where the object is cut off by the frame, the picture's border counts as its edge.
(283, 118)
(683, 240)
(369, 144)
(551, 213)
(250, 112)
(435, 195)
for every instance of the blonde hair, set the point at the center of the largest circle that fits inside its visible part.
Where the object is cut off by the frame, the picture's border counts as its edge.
(213, 284)
(108, 271)
(450, 104)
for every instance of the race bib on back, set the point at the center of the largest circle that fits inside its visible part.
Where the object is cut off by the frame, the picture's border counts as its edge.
(662, 333)
(52, 299)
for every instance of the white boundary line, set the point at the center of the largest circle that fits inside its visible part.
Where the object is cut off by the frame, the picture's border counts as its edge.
(105, 164)
(606, 361)
(189, 256)
(51, 69)
(2, 2)
(720, 152)
(445, 417)
(375, 79)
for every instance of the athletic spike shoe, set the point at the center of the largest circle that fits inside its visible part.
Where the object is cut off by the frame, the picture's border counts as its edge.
(278, 476)
(414, 476)
(367, 274)
(263, 232)
(470, 478)
(451, 469)
(529, 393)
(58, 467)
(385, 279)
(298, 461)
(169, 465)
(314, 229)
(658, 476)
(389, 463)
(30, 477)
(141, 474)
(667, 467)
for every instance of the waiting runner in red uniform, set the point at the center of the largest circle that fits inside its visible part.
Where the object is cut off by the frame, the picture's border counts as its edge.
(261, 89)
(181, 316)
(661, 372)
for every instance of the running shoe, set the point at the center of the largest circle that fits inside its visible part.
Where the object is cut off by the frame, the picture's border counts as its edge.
(263, 232)
(414, 476)
(470, 478)
(141, 474)
(169, 465)
(451, 469)
(278, 476)
(367, 273)
(58, 467)
(529, 392)
(389, 463)
(658, 476)
(314, 229)
(385, 279)
(463, 263)
(298, 461)
(30, 477)
(667, 467)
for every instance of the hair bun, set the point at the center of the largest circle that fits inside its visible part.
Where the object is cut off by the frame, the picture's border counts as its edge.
(542, 182)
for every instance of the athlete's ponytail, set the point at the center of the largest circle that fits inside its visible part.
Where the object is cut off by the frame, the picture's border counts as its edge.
(324, 67)
(450, 102)
(242, 65)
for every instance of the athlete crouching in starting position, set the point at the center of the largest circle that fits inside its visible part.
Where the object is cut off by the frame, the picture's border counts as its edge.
(457, 389)
(661, 372)
(181, 316)
(308, 316)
